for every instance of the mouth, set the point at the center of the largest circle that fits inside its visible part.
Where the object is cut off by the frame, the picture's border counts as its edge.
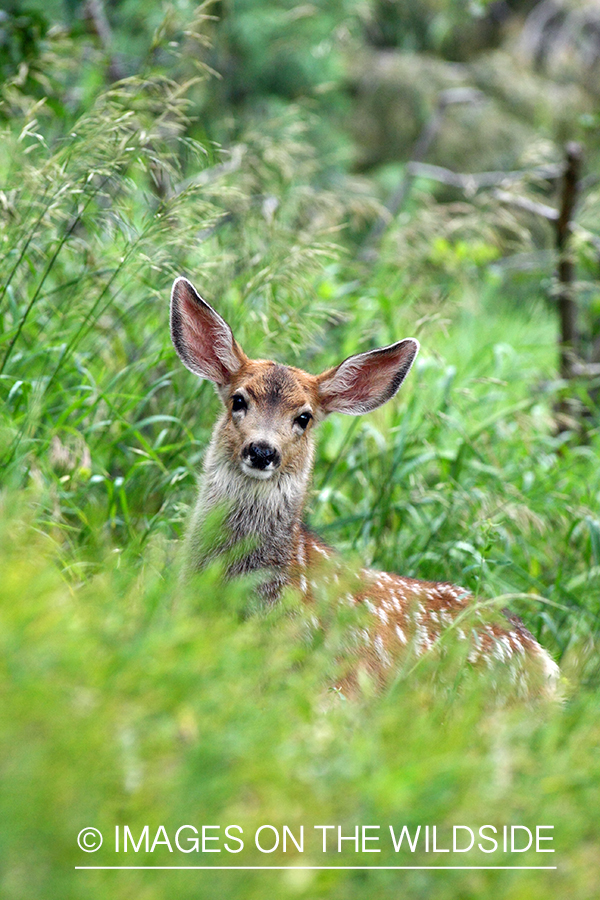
(260, 474)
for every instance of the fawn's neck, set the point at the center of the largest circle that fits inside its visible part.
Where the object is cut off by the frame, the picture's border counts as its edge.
(267, 513)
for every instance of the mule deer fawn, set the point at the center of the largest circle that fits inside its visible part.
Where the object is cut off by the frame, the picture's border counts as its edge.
(258, 467)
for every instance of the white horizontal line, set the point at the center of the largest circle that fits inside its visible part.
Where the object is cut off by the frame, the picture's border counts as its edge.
(315, 868)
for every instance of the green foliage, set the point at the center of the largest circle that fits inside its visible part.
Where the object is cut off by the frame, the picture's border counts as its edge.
(97, 225)
(21, 36)
(281, 48)
(128, 698)
(33, 61)
(129, 701)
(454, 28)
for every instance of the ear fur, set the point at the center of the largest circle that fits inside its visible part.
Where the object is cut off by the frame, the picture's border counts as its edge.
(203, 340)
(363, 382)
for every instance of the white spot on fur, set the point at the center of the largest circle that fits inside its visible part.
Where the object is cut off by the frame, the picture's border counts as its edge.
(321, 550)
(551, 672)
(300, 556)
(424, 641)
(382, 653)
(401, 635)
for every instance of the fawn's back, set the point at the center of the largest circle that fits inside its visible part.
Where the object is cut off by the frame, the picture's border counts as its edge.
(258, 468)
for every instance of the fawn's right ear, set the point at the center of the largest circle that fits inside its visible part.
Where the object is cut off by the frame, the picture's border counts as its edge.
(203, 340)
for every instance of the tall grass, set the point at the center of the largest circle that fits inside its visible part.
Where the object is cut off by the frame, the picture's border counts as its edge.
(97, 225)
(130, 702)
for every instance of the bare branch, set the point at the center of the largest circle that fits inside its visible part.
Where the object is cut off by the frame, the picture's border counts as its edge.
(532, 206)
(445, 99)
(589, 370)
(566, 268)
(470, 183)
(95, 14)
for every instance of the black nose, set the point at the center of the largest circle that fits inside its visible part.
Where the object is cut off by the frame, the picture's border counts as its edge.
(260, 455)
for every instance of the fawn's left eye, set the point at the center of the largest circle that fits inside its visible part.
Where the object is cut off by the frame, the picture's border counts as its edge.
(302, 420)
(238, 403)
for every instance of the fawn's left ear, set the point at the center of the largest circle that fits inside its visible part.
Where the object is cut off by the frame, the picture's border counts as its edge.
(203, 340)
(363, 382)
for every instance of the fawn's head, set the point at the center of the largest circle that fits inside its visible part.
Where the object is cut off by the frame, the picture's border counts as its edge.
(270, 409)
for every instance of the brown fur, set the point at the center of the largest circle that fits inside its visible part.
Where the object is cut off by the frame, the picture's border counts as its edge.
(265, 503)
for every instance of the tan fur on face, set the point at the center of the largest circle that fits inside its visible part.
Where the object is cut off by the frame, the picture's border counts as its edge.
(275, 395)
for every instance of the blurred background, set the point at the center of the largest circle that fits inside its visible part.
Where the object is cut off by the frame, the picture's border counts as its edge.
(332, 176)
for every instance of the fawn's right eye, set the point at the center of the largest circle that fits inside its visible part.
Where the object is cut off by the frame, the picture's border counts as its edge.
(238, 403)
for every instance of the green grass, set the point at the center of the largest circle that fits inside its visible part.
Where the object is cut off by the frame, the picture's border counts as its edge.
(133, 703)
(127, 699)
